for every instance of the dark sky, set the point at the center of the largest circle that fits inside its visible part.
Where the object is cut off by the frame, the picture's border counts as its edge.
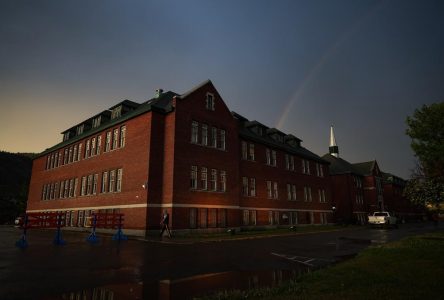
(300, 66)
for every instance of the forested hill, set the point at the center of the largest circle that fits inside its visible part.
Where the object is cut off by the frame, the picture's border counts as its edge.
(15, 173)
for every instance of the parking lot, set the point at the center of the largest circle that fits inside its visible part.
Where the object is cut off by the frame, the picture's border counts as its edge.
(170, 269)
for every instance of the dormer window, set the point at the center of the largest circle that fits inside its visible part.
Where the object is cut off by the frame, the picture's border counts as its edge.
(66, 136)
(116, 112)
(279, 138)
(97, 121)
(80, 129)
(260, 131)
(210, 102)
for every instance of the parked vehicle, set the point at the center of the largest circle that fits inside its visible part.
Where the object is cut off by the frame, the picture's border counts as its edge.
(382, 218)
(19, 221)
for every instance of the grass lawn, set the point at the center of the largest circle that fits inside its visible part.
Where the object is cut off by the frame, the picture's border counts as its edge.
(412, 268)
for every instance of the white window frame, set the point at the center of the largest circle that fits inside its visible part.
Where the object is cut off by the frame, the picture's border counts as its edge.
(204, 178)
(194, 132)
(193, 178)
(204, 134)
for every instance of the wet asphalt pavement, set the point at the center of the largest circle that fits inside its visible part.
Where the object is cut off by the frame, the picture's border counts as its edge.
(170, 269)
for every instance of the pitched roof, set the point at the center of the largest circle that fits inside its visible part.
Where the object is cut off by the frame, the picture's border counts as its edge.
(390, 178)
(365, 168)
(268, 141)
(160, 104)
(340, 166)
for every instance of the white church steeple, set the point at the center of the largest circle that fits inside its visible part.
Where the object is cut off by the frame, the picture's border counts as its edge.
(333, 149)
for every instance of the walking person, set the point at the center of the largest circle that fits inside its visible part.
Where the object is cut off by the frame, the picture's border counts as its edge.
(164, 223)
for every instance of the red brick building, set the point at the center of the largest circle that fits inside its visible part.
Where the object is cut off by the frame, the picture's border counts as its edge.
(362, 188)
(346, 186)
(396, 202)
(208, 167)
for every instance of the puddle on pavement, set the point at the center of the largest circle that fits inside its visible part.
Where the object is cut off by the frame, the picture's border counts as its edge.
(184, 288)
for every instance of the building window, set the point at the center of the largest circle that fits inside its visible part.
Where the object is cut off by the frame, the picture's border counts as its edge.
(51, 193)
(115, 138)
(94, 187)
(48, 162)
(116, 112)
(203, 217)
(48, 191)
(87, 150)
(66, 191)
(293, 192)
(80, 129)
(193, 218)
(76, 183)
(104, 181)
(203, 178)
(253, 217)
(44, 192)
(122, 136)
(305, 166)
(93, 146)
(288, 191)
(276, 217)
(209, 102)
(70, 155)
(99, 144)
(213, 180)
(193, 178)
(307, 194)
(80, 218)
(212, 217)
(222, 140)
(273, 158)
(244, 150)
(246, 217)
(194, 132)
(71, 188)
(51, 161)
(293, 217)
(268, 156)
(270, 217)
(253, 187)
(89, 185)
(56, 190)
(60, 158)
(269, 190)
(275, 190)
(96, 122)
(214, 137)
(74, 153)
(65, 157)
(62, 188)
(108, 141)
(204, 134)
(119, 180)
(223, 181)
(222, 217)
(251, 152)
(245, 186)
(112, 179)
(79, 154)
(83, 186)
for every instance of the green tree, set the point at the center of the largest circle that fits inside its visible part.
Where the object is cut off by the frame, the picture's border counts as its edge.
(426, 129)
